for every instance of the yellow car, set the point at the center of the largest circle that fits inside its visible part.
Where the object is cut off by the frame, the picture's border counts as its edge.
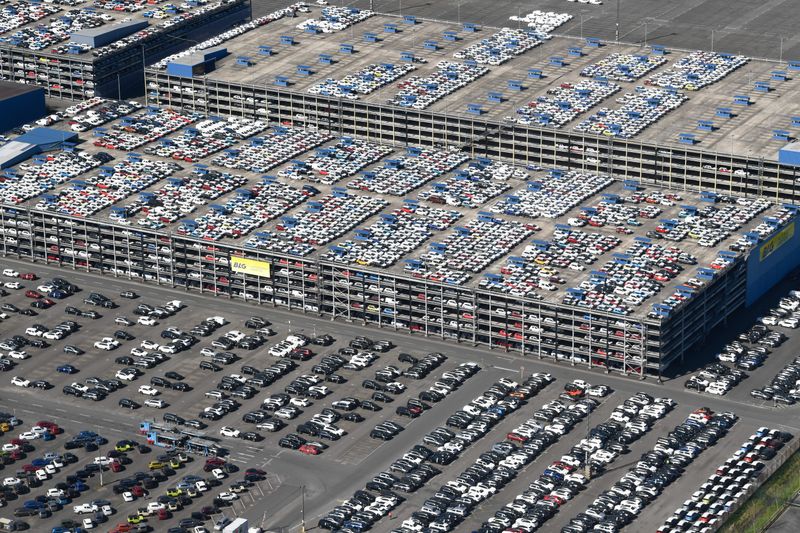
(123, 447)
(135, 518)
(175, 463)
(155, 465)
(174, 492)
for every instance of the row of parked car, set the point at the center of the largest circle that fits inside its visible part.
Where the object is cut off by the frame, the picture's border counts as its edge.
(569, 248)
(698, 69)
(602, 445)
(87, 197)
(363, 81)
(275, 148)
(320, 222)
(24, 13)
(44, 175)
(416, 466)
(99, 111)
(620, 504)
(469, 249)
(501, 46)
(58, 29)
(623, 67)
(248, 210)
(421, 91)
(144, 127)
(473, 186)
(542, 21)
(395, 235)
(784, 387)
(563, 103)
(332, 163)
(715, 378)
(623, 286)
(206, 137)
(729, 485)
(177, 198)
(553, 195)
(401, 175)
(638, 110)
(335, 18)
(496, 467)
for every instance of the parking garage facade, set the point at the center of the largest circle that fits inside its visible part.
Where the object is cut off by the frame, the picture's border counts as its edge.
(536, 329)
(118, 74)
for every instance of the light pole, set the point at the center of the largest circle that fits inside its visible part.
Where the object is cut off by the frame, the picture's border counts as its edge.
(616, 33)
(302, 509)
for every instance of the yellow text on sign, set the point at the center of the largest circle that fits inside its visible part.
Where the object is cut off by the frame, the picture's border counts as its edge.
(252, 267)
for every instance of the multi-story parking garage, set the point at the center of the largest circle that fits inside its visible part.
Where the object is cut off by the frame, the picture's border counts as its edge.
(643, 341)
(91, 51)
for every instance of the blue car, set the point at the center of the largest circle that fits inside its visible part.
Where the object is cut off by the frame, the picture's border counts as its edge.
(67, 369)
(58, 294)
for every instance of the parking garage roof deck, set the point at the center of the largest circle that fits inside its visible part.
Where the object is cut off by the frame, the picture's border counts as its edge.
(89, 6)
(748, 132)
(704, 255)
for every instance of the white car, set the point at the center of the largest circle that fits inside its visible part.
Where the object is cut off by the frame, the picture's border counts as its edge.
(20, 382)
(138, 352)
(219, 473)
(10, 273)
(88, 523)
(34, 332)
(300, 402)
(155, 403)
(29, 435)
(84, 508)
(147, 321)
(14, 354)
(128, 497)
(106, 345)
(12, 285)
(125, 375)
(226, 431)
(149, 345)
(148, 390)
(102, 460)
(228, 496)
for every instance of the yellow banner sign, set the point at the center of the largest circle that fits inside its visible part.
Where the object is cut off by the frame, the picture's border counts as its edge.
(252, 267)
(777, 240)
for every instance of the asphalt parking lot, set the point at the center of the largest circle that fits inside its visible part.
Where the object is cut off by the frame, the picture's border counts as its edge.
(328, 478)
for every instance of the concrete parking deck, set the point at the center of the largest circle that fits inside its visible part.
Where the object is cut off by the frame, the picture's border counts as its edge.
(749, 131)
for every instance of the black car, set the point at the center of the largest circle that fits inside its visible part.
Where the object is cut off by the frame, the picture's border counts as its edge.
(208, 365)
(129, 294)
(174, 375)
(251, 436)
(73, 350)
(353, 417)
(124, 335)
(370, 405)
(381, 397)
(335, 378)
(323, 340)
(128, 403)
(41, 384)
(70, 310)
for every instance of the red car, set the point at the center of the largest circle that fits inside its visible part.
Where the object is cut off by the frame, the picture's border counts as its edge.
(309, 450)
(32, 294)
(163, 514)
(29, 276)
(137, 491)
